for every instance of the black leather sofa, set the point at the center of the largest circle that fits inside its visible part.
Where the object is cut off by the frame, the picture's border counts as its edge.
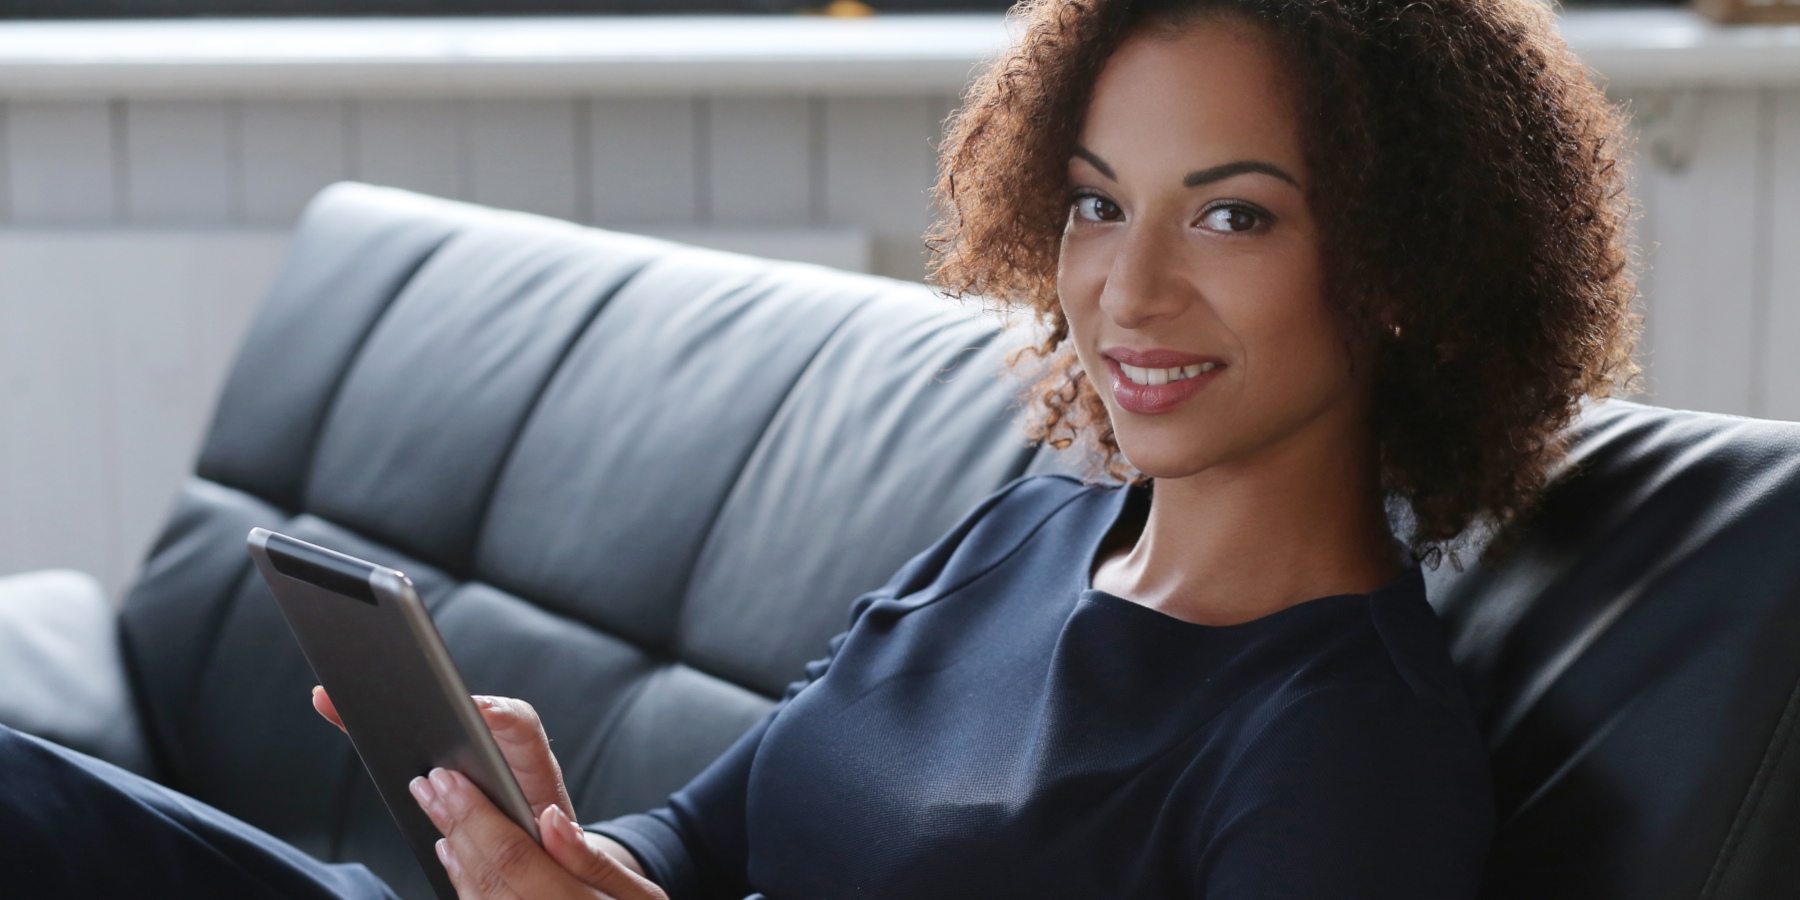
(638, 485)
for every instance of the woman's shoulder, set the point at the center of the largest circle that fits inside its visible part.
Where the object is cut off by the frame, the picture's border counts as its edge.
(1366, 717)
(1392, 651)
(1012, 514)
(1415, 646)
(996, 527)
(1043, 494)
(1377, 693)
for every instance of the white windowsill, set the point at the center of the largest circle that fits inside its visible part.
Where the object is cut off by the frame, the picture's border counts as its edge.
(894, 54)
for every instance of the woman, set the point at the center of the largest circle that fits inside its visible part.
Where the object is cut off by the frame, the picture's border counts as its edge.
(1301, 263)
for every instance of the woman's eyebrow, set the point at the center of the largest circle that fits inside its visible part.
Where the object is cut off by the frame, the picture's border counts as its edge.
(1203, 176)
(1220, 173)
(1098, 163)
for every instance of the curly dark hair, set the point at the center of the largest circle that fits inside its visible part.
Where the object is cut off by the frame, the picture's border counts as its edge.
(1470, 189)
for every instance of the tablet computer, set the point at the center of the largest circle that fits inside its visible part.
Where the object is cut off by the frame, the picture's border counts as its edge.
(376, 652)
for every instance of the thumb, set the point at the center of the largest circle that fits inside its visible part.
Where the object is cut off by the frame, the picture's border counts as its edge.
(566, 844)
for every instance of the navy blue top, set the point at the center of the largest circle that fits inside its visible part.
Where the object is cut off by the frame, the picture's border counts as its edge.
(990, 726)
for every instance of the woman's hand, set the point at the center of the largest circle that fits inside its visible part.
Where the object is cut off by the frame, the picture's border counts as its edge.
(490, 858)
(520, 736)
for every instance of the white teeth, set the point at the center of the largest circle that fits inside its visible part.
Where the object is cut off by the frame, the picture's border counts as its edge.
(1141, 375)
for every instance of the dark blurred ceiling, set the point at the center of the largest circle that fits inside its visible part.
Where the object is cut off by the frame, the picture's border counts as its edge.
(119, 9)
(79, 9)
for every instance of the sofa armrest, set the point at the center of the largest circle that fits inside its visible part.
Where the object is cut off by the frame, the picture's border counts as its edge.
(61, 674)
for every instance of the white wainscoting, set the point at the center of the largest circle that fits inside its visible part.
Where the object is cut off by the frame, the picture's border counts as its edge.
(859, 165)
(1718, 178)
(113, 345)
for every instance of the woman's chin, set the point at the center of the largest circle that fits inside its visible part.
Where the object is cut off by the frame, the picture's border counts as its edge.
(1164, 462)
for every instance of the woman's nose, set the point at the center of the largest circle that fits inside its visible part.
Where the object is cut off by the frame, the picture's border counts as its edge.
(1142, 286)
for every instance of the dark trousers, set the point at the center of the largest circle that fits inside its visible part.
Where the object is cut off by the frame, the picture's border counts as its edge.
(74, 827)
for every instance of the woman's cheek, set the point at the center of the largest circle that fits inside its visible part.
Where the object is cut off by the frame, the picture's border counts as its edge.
(1080, 280)
(1295, 325)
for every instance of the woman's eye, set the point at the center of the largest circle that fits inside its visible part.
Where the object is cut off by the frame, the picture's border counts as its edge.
(1097, 209)
(1230, 219)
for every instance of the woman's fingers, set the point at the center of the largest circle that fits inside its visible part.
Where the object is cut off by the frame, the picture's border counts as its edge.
(520, 734)
(569, 846)
(488, 857)
(458, 878)
(322, 703)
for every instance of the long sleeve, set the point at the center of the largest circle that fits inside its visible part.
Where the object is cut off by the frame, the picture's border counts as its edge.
(696, 847)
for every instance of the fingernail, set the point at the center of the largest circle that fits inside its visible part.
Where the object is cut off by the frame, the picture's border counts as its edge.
(484, 702)
(444, 781)
(423, 791)
(570, 829)
(561, 822)
(443, 851)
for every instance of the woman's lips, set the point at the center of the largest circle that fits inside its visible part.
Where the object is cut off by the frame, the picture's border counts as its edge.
(1181, 375)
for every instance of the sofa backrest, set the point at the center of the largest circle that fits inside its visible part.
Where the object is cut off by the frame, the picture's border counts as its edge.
(1636, 665)
(639, 485)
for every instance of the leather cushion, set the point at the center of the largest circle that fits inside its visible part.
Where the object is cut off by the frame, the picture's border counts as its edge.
(1635, 664)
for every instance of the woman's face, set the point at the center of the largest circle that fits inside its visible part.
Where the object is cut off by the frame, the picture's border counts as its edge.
(1190, 270)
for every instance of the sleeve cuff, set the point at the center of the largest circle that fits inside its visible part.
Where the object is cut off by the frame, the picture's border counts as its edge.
(658, 848)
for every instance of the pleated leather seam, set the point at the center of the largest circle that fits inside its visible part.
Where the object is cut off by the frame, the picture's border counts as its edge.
(1703, 532)
(337, 382)
(737, 477)
(1780, 743)
(610, 727)
(1575, 758)
(473, 570)
(1027, 455)
(179, 726)
(183, 724)
(1021, 402)
(161, 759)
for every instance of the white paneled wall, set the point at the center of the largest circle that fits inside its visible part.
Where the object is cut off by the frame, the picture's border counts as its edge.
(62, 159)
(112, 347)
(861, 164)
(1718, 177)
(136, 237)
(760, 162)
(644, 160)
(1780, 396)
(286, 150)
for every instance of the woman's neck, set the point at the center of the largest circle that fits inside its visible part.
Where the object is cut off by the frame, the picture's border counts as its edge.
(1295, 521)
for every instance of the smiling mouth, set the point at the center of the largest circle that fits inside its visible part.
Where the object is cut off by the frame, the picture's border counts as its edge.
(1153, 391)
(1141, 375)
